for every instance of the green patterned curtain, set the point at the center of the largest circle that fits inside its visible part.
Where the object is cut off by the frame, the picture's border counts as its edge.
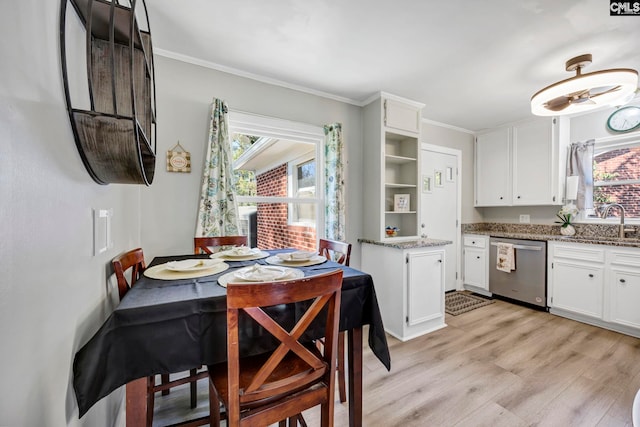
(218, 210)
(334, 183)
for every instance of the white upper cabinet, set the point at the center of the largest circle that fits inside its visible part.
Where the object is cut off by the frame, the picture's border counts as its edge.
(402, 116)
(522, 164)
(493, 168)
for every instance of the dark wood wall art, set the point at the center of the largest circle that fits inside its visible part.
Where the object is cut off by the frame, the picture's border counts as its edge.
(113, 118)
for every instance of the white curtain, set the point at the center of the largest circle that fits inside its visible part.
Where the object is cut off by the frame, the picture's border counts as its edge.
(218, 210)
(580, 163)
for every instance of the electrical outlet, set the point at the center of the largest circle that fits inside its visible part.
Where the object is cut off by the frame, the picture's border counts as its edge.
(525, 219)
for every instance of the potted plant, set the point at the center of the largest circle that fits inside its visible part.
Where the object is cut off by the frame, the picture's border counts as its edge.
(565, 215)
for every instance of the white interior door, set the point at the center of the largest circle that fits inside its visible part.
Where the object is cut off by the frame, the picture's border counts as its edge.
(440, 210)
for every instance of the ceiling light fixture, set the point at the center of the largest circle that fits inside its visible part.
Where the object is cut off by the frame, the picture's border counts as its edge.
(584, 92)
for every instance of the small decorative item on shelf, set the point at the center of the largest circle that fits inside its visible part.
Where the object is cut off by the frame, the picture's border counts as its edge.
(392, 231)
(401, 203)
(565, 214)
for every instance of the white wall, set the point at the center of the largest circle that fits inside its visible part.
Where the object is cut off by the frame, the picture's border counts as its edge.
(185, 92)
(53, 293)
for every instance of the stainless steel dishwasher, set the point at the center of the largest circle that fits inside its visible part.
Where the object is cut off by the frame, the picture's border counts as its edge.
(528, 282)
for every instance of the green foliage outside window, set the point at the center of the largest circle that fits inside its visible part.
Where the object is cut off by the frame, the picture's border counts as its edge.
(245, 180)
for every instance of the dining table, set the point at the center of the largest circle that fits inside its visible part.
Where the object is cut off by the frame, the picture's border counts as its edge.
(164, 326)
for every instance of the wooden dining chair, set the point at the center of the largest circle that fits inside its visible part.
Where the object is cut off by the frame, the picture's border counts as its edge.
(134, 260)
(203, 245)
(340, 252)
(273, 387)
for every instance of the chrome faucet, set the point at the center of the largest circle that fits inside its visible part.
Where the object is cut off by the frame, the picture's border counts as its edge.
(605, 213)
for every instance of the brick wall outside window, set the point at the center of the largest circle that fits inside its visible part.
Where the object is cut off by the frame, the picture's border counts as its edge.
(624, 164)
(274, 230)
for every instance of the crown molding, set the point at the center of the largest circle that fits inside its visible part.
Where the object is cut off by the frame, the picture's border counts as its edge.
(252, 76)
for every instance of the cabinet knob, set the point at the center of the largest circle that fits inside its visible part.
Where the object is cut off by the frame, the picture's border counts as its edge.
(473, 242)
(622, 281)
(590, 275)
(500, 197)
(518, 197)
(478, 257)
(439, 260)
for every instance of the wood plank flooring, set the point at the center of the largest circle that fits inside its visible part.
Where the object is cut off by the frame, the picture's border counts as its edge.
(498, 365)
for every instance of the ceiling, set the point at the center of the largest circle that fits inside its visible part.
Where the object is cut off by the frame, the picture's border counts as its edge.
(474, 64)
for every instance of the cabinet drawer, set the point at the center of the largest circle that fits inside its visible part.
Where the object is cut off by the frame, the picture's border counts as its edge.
(579, 253)
(475, 241)
(628, 258)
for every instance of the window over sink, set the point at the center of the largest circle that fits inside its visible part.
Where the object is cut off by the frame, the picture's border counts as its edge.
(616, 175)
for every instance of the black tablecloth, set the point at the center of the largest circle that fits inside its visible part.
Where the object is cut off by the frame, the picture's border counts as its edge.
(171, 326)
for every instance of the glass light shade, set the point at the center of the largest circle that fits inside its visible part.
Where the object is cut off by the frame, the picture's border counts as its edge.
(626, 78)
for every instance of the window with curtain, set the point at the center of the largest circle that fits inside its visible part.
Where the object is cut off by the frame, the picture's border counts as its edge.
(275, 168)
(616, 176)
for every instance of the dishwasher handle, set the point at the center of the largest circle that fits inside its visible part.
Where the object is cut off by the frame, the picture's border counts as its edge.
(523, 247)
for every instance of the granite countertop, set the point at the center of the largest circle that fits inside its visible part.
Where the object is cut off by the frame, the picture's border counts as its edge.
(588, 234)
(408, 244)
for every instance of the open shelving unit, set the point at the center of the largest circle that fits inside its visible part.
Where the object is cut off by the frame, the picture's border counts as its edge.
(392, 138)
(113, 117)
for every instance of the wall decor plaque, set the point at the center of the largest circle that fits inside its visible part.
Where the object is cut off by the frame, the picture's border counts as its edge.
(178, 159)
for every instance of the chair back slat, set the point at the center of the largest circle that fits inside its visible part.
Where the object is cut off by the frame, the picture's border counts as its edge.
(339, 252)
(203, 245)
(134, 260)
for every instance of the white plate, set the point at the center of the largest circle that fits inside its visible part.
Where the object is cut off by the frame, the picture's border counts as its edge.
(275, 260)
(292, 273)
(256, 254)
(192, 264)
(241, 252)
(297, 256)
(261, 273)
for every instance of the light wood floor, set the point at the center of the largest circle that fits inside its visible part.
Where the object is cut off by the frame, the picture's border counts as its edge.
(499, 365)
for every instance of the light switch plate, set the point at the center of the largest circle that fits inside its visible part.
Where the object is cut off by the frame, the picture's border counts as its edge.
(102, 230)
(525, 219)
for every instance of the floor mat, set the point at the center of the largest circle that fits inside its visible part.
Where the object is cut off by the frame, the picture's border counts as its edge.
(456, 303)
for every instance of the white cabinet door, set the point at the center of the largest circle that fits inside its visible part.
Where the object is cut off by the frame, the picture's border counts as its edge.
(475, 268)
(533, 178)
(578, 288)
(625, 297)
(401, 116)
(493, 162)
(425, 287)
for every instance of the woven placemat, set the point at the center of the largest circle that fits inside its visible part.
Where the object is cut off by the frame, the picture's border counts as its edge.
(161, 272)
(456, 303)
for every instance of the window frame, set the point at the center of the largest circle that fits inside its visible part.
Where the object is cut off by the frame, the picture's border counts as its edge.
(258, 125)
(601, 146)
(292, 188)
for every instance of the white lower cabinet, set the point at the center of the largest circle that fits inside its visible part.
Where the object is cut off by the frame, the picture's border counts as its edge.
(409, 285)
(624, 290)
(476, 262)
(625, 297)
(596, 284)
(578, 287)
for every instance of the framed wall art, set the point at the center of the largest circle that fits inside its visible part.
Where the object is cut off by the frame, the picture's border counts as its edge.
(401, 203)
(178, 159)
(426, 183)
(438, 179)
